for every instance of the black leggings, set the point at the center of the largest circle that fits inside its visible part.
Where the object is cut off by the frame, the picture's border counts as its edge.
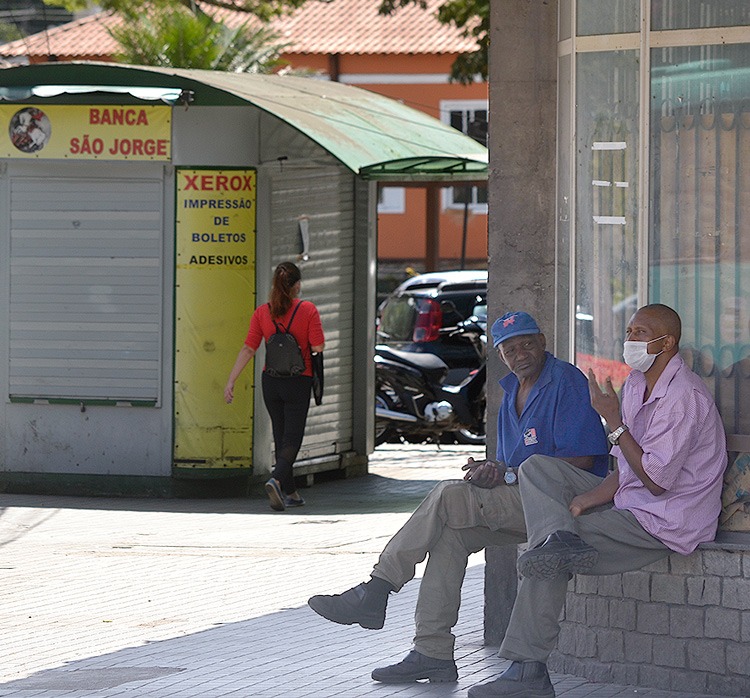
(287, 401)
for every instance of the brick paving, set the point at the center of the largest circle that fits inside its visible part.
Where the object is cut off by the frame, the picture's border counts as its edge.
(182, 598)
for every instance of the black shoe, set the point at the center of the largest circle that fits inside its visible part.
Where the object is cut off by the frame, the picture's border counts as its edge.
(275, 495)
(562, 553)
(415, 666)
(292, 502)
(364, 604)
(519, 680)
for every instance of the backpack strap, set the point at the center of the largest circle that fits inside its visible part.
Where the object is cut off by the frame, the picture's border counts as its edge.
(291, 319)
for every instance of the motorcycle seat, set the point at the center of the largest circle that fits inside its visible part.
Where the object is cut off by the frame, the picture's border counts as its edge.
(426, 362)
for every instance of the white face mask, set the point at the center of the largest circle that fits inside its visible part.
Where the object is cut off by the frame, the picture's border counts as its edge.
(636, 354)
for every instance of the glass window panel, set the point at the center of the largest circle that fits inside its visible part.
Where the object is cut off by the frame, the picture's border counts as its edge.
(391, 200)
(462, 194)
(700, 194)
(564, 131)
(469, 116)
(697, 14)
(607, 17)
(606, 208)
(563, 27)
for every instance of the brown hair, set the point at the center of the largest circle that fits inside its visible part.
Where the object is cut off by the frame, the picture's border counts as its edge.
(284, 278)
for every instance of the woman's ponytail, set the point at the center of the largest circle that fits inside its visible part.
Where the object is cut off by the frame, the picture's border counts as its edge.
(280, 299)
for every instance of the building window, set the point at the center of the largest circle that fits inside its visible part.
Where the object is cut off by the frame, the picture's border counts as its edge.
(699, 14)
(608, 16)
(606, 208)
(699, 249)
(469, 117)
(391, 200)
(653, 198)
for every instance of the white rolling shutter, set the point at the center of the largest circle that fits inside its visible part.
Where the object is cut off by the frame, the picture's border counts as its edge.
(85, 288)
(326, 198)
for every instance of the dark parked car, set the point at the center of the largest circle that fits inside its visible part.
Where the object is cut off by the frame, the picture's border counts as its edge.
(412, 317)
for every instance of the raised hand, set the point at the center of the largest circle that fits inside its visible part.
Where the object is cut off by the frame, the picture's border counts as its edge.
(605, 401)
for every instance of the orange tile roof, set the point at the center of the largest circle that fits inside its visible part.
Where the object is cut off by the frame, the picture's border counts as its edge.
(84, 38)
(339, 26)
(355, 27)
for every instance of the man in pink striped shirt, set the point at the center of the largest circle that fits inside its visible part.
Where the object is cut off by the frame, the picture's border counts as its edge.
(664, 496)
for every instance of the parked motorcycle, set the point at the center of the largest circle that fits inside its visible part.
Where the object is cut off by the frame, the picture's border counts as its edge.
(412, 400)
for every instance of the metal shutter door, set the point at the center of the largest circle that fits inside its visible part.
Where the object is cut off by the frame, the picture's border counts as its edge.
(326, 197)
(85, 288)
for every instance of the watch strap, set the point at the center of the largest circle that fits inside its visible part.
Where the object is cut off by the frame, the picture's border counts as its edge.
(614, 437)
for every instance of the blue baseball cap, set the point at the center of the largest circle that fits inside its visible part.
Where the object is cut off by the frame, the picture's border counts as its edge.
(512, 325)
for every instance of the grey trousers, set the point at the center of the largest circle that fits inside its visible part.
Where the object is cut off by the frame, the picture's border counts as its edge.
(453, 521)
(547, 487)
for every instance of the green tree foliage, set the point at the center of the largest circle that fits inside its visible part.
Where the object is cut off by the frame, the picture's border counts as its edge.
(473, 18)
(9, 32)
(175, 37)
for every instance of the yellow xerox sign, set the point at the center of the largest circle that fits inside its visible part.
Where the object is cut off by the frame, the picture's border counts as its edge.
(86, 132)
(214, 298)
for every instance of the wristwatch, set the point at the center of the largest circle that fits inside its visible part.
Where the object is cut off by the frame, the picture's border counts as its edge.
(614, 436)
(510, 477)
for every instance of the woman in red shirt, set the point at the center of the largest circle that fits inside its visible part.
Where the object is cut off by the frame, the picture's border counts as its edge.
(287, 398)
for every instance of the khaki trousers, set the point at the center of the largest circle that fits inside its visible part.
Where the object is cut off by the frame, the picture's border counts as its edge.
(547, 486)
(454, 520)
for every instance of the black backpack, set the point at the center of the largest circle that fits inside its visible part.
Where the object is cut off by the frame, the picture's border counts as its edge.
(283, 355)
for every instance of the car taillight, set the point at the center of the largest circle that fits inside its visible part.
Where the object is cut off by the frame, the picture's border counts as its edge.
(429, 320)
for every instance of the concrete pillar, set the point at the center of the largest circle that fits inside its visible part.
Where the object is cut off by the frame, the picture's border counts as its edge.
(432, 228)
(523, 96)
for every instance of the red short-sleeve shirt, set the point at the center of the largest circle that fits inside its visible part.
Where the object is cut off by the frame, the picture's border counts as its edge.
(306, 328)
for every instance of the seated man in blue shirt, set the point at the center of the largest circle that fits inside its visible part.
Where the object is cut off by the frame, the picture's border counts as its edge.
(545, 410)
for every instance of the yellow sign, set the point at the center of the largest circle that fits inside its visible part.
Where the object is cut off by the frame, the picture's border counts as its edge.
(215, 296)
(76, 132)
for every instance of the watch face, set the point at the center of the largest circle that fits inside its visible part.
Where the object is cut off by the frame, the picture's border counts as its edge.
(510, 477)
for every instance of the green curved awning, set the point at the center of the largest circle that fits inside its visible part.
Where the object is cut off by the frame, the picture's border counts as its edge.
(376, 137)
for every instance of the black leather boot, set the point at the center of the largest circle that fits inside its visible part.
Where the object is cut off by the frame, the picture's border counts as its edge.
(562, 553)
(416, 666)
(364, 604)
(519, 680)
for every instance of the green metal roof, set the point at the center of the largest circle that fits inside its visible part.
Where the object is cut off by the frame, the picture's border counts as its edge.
(374, 136)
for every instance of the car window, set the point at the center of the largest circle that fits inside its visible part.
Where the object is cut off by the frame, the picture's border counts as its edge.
(398, 314)
(480, 311)
(464, 305)
(398, 318)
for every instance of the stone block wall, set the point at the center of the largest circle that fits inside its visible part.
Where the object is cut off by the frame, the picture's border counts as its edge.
(682, 624)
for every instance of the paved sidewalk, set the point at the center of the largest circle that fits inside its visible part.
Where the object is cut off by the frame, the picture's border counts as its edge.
(183, 598)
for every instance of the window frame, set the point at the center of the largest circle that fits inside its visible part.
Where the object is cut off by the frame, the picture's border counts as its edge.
(468, 106)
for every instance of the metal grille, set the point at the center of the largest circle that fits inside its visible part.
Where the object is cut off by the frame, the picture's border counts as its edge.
(325, 199)
(85, 288)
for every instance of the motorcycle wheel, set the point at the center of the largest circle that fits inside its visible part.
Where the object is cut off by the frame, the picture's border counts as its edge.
(470, 438)
(383, 433)
(476, 436)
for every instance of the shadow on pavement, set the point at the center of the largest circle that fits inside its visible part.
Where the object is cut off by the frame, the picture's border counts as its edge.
(369, 494)
(292, 653)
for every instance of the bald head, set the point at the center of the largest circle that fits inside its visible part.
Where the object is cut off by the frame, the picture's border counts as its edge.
(664, 319)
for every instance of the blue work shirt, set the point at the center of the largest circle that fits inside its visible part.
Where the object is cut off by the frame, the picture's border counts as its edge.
(557, 419)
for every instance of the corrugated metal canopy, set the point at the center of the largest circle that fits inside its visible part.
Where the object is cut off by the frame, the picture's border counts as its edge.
(376, 137)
